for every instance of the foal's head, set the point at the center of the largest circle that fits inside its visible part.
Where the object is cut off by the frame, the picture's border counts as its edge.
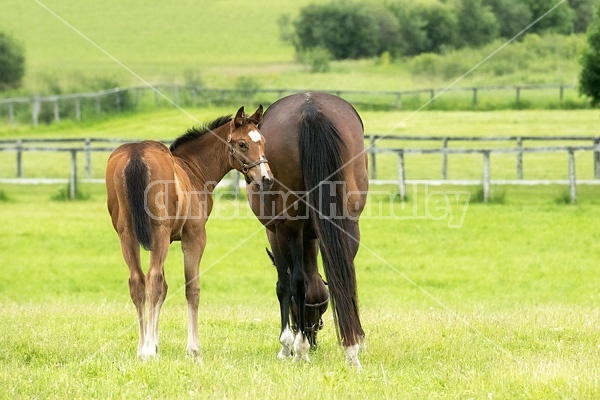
(247, 149)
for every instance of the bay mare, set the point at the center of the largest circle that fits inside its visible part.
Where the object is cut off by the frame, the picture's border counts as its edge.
(157, 195)
(315, 147)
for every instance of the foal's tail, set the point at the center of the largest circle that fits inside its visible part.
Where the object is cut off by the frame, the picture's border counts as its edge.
(136, 182)
(322, 162)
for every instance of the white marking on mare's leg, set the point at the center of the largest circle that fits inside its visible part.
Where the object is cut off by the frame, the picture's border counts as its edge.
(287, 340)
(301, 347)
(255, 136)
(352, 356)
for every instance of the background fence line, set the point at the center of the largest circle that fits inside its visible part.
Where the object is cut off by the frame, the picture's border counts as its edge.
(86, 147)
(56, 107)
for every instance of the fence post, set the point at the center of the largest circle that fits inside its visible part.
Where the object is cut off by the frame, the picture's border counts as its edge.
(597, 159)
(35, 111)
(73, 177)
(572, 179)
(19, 158)
(486, 176)
(432, 93)
(77, 109)
(474, 97)
(194, 95)
(518, 95)
(236, 182)
(56, 110)
(444, 158)
(98, 108)
(88, 158)
(561, 93)
(11, 114)
(373, 159)
(401, 175)
(398, 100)
(520, 158)
(118, 100)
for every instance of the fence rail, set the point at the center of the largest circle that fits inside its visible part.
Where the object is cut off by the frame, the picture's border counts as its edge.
(87, 146)
(56, 107)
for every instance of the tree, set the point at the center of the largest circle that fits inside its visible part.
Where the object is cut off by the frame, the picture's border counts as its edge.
(12, 63)
(512, 15)
(477, 24)
(589, 77)
(346, 30)
(560, 20)
(584, 12)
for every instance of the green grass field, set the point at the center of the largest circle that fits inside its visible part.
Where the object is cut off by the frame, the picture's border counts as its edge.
(458, 300)
(506, 306)
(70, 46)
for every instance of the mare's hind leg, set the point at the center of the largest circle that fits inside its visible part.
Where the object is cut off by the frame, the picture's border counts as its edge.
(131, 254)
(283, 289)
(352, 350)
(290, 244)
(156, 290)
(192, 244)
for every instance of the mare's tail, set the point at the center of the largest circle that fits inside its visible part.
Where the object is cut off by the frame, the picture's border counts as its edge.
(321, 161)
(136, 182)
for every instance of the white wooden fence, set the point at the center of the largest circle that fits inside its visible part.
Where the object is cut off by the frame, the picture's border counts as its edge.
(70, 106)
(88, 146)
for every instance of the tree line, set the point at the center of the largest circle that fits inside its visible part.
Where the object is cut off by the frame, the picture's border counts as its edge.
(353, 30)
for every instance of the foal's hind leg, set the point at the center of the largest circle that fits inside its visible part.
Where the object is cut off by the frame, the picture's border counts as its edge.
(156, 291)
(131, 254)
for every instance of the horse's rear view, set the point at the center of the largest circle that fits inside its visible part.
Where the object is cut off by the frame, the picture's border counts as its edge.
(157, 195)
(315, 147)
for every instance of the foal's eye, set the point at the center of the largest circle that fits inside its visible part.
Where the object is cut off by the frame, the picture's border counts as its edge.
(243, 145)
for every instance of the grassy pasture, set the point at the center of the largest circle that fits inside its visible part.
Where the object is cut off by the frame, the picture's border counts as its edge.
(458, 301)
(506, 306)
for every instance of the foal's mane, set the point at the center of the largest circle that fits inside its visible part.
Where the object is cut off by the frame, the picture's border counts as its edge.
(199, 131)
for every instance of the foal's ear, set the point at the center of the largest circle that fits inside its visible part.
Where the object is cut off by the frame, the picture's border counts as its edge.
(239, 117)
(256, 118)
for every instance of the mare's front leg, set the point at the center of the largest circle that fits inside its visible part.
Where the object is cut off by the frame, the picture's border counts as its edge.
(284, 294)
(193, 242)
(289, 239)
(156, 290)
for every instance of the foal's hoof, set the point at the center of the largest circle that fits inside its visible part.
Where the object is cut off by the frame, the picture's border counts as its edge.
(146, 357)
(194, 355)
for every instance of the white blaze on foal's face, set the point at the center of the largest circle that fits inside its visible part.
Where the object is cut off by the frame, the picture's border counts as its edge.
(255, 136)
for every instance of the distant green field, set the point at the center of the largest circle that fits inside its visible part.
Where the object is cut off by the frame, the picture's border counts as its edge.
(217, 42)
(160, 41)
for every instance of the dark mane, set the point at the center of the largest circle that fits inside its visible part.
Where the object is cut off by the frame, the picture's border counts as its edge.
(197, 132)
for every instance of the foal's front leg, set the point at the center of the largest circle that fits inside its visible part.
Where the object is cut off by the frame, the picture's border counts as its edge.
(193, 245)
